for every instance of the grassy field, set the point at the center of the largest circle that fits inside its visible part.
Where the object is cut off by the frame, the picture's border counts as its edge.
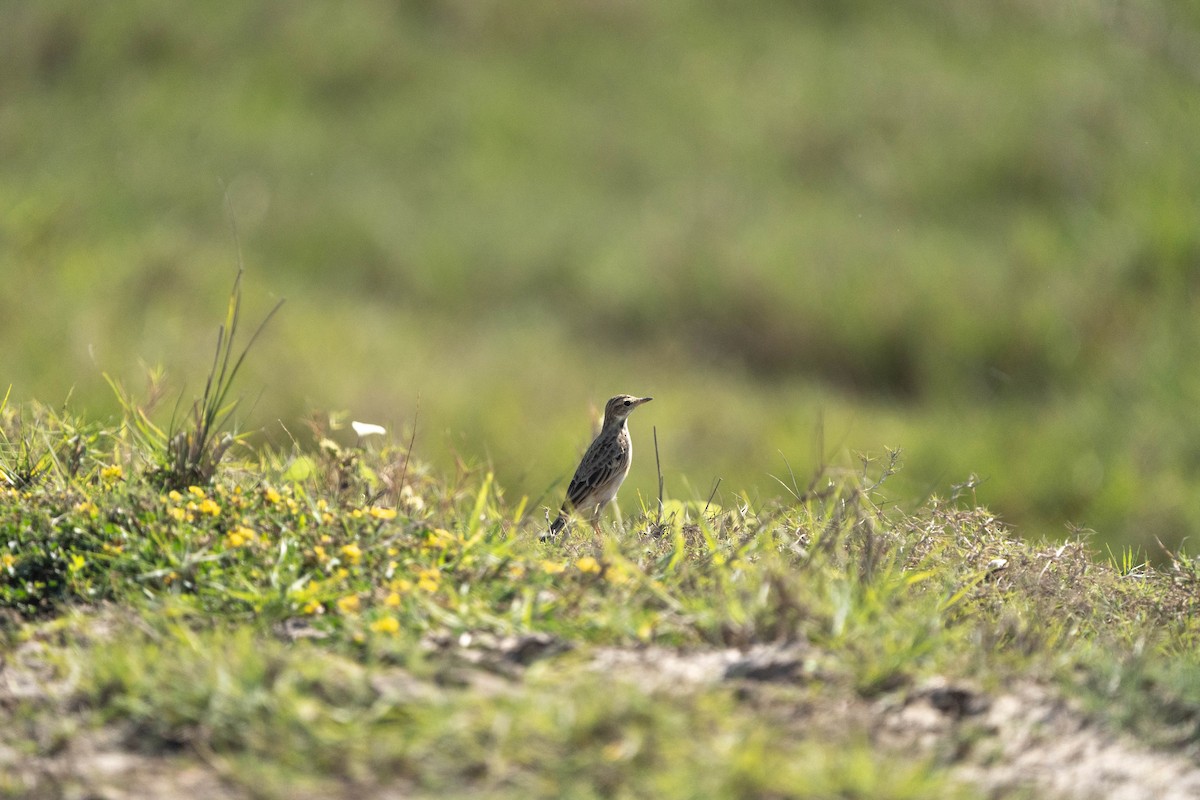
(338, 622)
(814, 233)
(967, 233)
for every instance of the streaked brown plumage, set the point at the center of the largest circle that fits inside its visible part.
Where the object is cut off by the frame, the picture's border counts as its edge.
(603, 467)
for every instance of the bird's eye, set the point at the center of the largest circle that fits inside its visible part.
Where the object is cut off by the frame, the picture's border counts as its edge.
(628, 402)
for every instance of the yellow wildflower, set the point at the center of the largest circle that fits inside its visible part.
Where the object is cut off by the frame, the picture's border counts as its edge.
(112, 473)
(428, 580)
(175, 496)
(77, 562)
(87, 507)
(177, 514)
(195, 491)
(587, 565)
(312, 607)
(209, 506)
(239, 536)
(516, 570)
(386, 625)
(352, 552)
(8, 560)
(439, 539)
(349, 604)
(271, 496)
(616, 574)
(392, 600)
(553, 567)
(383, 513)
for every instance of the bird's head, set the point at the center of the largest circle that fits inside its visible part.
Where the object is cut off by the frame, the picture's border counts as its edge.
(620, 407)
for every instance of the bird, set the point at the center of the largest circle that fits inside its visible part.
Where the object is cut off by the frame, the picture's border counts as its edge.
(603, 467)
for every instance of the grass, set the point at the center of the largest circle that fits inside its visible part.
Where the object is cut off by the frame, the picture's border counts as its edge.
(557, 733)
(807, 231)
(188, 454)
(969, 235)
(357, 623)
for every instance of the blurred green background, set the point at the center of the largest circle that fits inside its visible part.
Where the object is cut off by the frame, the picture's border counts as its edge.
(968, 230)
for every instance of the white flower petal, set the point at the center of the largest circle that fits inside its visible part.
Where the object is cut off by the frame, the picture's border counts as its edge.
(368, 429)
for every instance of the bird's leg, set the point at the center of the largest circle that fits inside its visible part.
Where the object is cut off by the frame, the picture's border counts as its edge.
(595, 517)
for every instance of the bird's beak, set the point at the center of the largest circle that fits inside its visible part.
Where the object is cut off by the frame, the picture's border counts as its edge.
(643, 400)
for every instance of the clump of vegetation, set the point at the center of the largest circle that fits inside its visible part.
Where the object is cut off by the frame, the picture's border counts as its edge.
(187, 453)
(305, 626)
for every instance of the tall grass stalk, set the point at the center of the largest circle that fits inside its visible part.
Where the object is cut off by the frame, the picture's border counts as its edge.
(188, 454)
